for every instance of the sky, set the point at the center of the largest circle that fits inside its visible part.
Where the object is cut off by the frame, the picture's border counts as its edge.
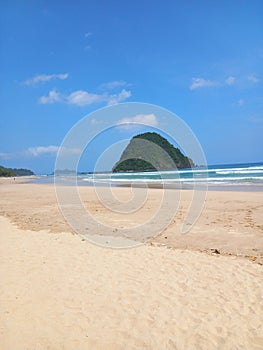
(64, 60)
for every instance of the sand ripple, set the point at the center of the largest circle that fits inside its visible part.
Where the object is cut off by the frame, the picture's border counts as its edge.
(59, 292)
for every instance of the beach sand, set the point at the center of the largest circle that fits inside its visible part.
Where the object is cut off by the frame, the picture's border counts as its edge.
(58, 291)
(231, 222)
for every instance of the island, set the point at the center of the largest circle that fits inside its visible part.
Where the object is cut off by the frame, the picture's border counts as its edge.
(141, 156)
(13, 172)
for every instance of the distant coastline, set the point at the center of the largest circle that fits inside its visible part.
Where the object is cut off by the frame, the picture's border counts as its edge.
(13, 172)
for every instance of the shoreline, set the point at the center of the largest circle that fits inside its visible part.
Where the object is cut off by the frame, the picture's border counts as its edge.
(46, 180)
(221, 187)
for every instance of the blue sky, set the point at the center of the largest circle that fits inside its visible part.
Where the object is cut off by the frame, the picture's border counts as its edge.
(62, 60)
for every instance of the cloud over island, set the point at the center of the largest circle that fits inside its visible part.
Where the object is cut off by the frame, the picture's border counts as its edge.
(139, 119)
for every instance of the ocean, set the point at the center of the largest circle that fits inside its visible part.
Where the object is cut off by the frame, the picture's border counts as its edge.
(248, 176)
(240, 177)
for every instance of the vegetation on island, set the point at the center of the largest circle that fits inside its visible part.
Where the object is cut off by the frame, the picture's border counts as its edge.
(150, 151)
(13, 172)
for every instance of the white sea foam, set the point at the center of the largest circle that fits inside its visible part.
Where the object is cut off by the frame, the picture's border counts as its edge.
(239, 172)
(216, 176)
(178, 180)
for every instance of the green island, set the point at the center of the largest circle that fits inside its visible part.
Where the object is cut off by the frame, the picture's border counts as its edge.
(13, 172)
(150, 151)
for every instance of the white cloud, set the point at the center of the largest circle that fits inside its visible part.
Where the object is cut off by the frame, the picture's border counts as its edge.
(53, 96)
(114, 84)
(144, 119)
(31, 151)
(87, 35)
(200, 82)
(39, 151)
(230, 80)
(84, 98)
(253, 78)
(42, 78)
(69, 151)
(117, 98)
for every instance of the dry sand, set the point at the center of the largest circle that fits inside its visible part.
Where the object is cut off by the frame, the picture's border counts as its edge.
(231, 222)
(61, 292)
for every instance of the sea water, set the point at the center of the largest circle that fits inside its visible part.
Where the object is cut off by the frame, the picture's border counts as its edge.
(245, 177)
(248, 176)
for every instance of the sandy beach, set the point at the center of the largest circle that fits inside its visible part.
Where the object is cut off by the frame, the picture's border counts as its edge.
(202, 290)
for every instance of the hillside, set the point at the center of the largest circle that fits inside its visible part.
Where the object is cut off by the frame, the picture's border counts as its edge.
(151, 151)
(9, 172)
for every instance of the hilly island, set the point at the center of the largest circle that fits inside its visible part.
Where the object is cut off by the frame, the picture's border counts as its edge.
(150, 151)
